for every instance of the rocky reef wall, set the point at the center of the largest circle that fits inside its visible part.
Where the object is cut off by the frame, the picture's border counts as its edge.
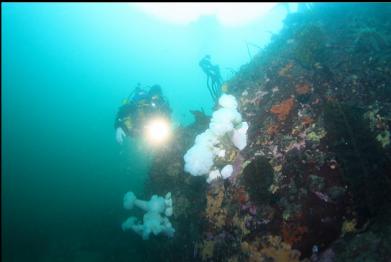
(314, 182)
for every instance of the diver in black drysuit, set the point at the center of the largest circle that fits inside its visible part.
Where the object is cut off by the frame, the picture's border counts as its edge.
(139, 106)
(214, 79)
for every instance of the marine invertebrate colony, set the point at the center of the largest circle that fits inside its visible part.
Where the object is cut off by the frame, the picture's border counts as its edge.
(158, 209)
(283, 109)
(226, 130)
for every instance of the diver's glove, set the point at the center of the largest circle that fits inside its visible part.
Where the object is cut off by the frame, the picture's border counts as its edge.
(120, 135)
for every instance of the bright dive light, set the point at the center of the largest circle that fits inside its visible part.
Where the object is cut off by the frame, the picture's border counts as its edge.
(157, 130)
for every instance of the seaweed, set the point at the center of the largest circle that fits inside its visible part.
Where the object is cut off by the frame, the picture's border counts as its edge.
(310, 45)
(363, 161)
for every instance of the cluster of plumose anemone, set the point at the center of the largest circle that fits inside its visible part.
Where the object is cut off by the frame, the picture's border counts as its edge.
(155, 220)
(226, 129)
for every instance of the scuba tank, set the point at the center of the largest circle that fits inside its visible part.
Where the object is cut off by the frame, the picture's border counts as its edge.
(137, 94)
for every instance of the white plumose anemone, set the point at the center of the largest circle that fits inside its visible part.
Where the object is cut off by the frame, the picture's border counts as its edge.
(199, 159)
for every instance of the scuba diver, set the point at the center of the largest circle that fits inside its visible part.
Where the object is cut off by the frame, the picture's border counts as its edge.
(137, 109)
(214, 79)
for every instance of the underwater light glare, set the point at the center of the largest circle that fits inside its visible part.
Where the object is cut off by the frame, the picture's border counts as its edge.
(228, 14)
(158, 130)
